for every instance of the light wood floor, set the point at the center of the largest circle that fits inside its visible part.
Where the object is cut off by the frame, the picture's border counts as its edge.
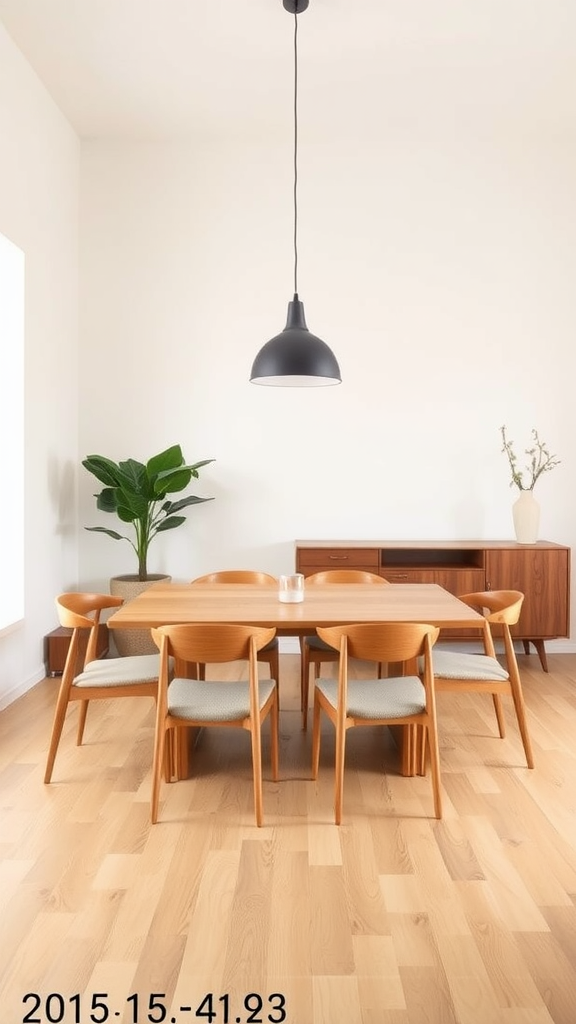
(394, 918)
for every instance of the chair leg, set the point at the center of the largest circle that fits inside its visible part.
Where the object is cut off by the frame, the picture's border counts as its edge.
(316, 738)
(169, 755)
(157, 765)
(432, 735)
(180, 757)
(421, 748)
(339, 774)
(59, 716)
(274, 735)
(257, 773)
(305, 684)
(301, 642)
(409, 753)
(499, 715)
(273, 660)
(81, 721)
(317, 666)
(520, 709)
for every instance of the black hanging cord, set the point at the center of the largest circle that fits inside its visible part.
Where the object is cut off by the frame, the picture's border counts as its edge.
(295, 153)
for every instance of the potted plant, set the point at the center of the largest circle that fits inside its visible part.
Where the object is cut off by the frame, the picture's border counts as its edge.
(137, 494)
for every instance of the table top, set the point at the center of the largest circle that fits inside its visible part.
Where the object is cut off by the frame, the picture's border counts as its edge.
(323, 605)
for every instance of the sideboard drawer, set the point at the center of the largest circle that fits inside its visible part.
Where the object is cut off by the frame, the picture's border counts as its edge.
(338, 558)
(311, 570)
(409, 575)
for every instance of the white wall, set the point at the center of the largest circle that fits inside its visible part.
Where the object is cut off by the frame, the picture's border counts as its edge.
(437, 263)
(39, 213)
(436, 258)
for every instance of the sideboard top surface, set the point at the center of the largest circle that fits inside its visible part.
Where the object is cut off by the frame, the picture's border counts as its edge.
(440, 545)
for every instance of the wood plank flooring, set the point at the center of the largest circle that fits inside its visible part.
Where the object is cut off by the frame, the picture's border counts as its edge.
(393, 918)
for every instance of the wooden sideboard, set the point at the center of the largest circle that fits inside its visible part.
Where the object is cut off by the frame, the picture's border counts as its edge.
(541, 571)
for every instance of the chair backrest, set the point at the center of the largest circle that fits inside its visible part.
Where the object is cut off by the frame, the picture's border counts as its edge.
(236, 576)
(211, 643)
(77, 611)
(500, 607)
(383, 641)
(503, 606)
(345, 576)
(82, 611)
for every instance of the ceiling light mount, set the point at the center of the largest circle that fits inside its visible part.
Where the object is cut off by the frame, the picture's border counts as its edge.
(295, 357)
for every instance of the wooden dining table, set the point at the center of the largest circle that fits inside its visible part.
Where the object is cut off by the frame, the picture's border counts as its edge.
(257, 604)
(330, 604)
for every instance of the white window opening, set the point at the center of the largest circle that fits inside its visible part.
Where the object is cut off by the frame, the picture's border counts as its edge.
(11, 434)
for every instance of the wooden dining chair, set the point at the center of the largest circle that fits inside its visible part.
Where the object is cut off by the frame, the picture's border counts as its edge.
(243, 703)
(406, 700)
(270, 655)
(459, 672)
(315, 651)
(90, 678)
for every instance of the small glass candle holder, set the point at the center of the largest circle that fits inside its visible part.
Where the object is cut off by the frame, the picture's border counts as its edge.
(291, 588)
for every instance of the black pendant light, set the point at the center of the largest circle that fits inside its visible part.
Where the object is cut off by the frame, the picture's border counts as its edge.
(295, 358)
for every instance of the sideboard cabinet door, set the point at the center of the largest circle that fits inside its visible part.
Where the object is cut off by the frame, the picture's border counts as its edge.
(543, 577)
(460, 581)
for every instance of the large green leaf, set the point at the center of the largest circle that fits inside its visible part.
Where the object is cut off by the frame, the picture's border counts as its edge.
(106, 500)
(103, 469)
(172, 458)
(177, 506)
(134, 478)
(131, 505)
(170, 524)
(102, 529)
(171, 480)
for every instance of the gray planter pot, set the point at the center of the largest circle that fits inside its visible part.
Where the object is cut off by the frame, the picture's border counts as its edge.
(133, 641)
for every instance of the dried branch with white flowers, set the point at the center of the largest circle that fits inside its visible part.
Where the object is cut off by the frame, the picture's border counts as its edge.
(541, 461)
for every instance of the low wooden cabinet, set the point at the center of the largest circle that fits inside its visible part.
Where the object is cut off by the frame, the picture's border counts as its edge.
(57, 643)
(541, 571)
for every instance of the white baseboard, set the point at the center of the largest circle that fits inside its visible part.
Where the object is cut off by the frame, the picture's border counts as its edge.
(18, 691)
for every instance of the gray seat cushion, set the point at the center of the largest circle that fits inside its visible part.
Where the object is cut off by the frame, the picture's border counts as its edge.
(214, 701)
(379, 698)
(455, 665)
(111, 672)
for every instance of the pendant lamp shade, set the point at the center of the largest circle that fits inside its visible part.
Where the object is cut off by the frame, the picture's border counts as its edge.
(295, 357)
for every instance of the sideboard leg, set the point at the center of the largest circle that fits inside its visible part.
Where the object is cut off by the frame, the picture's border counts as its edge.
(540, 649)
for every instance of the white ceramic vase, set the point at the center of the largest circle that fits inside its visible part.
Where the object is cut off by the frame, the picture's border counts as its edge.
(526, 516)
